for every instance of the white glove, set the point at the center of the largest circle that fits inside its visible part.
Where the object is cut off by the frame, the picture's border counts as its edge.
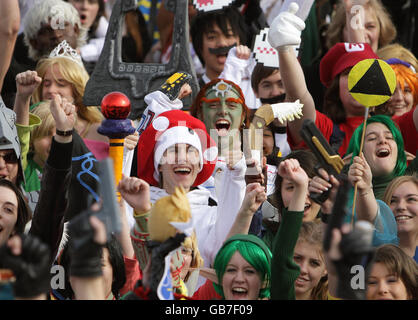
(286, 29)
(287, 111)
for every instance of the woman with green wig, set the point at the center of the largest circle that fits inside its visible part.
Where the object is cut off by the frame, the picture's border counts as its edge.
(382, 160)
(385, 163)
(244, 262)
(242, 268)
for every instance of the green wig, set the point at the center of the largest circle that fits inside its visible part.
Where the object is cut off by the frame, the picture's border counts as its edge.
(354, 146)
(380, 183)
(254, 251)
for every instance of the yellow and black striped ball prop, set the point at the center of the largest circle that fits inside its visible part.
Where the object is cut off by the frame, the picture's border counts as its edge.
(371, 82)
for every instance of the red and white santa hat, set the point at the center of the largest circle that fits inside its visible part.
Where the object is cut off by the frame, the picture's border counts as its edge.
(341, 56)
(168, 129)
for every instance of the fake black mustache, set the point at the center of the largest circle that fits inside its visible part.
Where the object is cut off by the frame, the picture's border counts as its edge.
(273, 100)
(221, 50)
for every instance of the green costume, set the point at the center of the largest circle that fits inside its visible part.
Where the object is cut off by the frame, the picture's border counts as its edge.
(284, 269)
(32, 171)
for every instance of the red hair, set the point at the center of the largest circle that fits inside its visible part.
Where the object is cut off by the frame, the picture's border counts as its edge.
(404, 74)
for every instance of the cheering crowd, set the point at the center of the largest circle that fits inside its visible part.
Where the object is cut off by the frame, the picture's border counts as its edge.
(201, 212)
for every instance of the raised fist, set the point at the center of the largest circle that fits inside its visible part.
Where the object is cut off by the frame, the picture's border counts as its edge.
(27, 82)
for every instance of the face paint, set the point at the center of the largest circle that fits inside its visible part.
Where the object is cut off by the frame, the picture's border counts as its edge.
(222, 109)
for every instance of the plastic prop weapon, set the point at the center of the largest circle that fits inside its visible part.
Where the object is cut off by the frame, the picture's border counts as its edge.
(136, 80)
(115, 108)
(328, 159)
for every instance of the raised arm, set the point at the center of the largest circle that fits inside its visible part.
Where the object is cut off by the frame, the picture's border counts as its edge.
(284, 270)
(136, 193)
(26, 84)
(238, 65)
(230, 192)
(285, 32)
(48, 218)
(255, 195)
(354, 20)
(319, 184)
(163, 99)
(9, 27)
(366, 205)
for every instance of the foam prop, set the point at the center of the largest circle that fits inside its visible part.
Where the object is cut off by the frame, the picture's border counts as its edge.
(169, 216)
(211, 5)
(115, 107)
(371, 82)
(174, 208)
(136, 80)
(264, 53)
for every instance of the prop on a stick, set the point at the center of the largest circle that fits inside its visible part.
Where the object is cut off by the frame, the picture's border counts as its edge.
(371, 82)
(116, 108)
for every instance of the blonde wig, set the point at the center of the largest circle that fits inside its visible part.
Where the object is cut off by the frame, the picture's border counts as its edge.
(77, 76)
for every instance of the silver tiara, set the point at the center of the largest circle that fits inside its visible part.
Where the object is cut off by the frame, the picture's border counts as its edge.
(66, 51)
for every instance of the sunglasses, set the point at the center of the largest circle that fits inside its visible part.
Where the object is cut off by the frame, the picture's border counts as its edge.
(10, 157)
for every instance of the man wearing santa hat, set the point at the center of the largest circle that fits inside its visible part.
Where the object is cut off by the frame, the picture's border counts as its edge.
(176, 150)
